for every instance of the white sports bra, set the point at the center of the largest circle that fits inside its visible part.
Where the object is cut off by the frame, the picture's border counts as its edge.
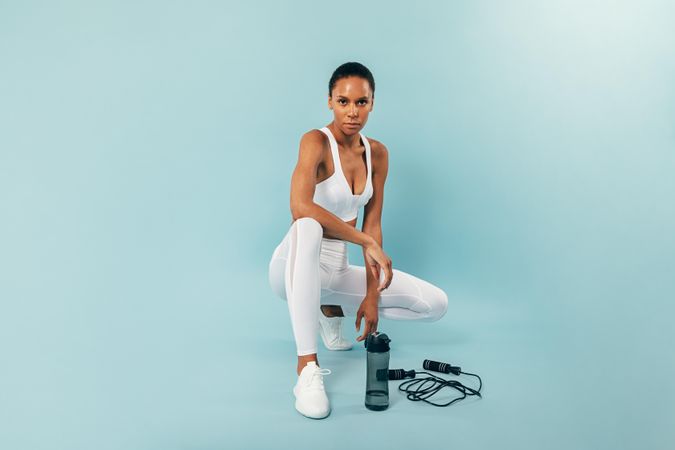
(334, 193)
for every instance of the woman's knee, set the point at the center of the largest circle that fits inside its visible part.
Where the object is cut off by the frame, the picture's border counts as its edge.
(309, 228)
(436, 300)
(439, 304)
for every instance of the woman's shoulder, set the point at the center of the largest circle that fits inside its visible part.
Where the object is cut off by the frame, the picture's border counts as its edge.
(315, 139)
(378, 150)
(315, 135)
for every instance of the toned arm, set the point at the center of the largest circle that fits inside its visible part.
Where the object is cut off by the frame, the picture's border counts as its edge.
(372, 219)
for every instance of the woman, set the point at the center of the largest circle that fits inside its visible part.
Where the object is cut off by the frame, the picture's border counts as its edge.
(338, 171)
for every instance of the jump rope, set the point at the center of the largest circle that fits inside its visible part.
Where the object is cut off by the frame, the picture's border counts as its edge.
(420, 389)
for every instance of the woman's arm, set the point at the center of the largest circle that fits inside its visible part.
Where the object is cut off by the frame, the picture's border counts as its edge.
(303, 183)
(372, 218)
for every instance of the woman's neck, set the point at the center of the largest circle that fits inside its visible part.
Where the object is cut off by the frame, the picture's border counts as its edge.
(350, 142)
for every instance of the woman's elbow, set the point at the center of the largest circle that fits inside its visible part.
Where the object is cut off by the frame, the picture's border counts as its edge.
(299, 209)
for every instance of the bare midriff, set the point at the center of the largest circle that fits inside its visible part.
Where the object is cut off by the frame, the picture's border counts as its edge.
(351, 222)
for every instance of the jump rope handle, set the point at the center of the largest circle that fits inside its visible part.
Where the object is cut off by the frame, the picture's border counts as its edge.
(400, 374)
(441, 367)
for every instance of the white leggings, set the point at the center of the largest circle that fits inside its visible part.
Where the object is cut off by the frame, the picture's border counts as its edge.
(309, 270)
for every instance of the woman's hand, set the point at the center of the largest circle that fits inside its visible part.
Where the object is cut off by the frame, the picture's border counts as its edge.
(367, 311)
(377, 259)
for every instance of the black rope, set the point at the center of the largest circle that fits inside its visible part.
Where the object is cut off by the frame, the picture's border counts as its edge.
(420, 389)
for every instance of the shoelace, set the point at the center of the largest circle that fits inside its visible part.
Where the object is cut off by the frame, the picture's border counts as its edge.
(312, 383)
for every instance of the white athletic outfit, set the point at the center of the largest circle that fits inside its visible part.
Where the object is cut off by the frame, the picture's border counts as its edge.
(308, 270)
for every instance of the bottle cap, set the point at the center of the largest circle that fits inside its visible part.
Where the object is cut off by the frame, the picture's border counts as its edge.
(377, 342)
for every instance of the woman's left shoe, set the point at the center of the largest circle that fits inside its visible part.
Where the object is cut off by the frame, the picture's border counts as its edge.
(330, 329)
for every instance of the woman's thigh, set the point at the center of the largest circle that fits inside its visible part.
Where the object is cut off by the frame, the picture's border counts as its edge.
(407, 297)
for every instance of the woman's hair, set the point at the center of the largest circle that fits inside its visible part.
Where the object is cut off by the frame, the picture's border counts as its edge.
(351, 69)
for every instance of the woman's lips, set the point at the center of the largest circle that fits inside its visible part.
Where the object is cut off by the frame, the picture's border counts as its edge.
(352, 124)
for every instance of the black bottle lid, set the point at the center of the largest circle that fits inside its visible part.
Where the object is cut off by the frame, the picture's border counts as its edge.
(377, 342)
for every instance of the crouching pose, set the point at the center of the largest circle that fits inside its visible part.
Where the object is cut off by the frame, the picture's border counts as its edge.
(338, 171)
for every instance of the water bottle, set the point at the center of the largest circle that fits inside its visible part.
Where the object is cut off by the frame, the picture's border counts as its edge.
(377, 371)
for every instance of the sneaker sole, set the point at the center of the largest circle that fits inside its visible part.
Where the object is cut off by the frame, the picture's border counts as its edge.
(311, 417)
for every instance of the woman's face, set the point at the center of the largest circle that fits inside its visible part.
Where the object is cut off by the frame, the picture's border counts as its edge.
(351, 102)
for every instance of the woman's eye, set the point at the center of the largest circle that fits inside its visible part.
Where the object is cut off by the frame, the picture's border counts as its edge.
(342, 102)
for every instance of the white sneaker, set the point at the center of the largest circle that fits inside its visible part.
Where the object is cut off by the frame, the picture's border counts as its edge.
(310, 396)
(330, 329)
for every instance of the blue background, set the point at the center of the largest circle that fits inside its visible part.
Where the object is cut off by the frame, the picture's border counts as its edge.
(145, 158)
